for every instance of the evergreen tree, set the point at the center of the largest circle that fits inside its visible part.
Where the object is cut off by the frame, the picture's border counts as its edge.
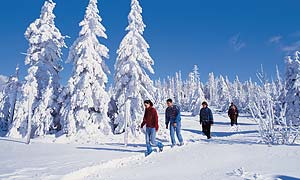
(223, 94)
(292, 78)
(8, 101)
(42, 81)
(87, 101)
(211, 88)
(132, 84)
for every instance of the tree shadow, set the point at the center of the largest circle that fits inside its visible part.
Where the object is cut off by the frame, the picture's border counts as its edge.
(187, 115)
(220, 134)
(163, 140)
(128, 145)
(112, 149)
(287, 177)
(12, 140)
(229, 124)
(193, 131)
(234, 141)
(226, 134)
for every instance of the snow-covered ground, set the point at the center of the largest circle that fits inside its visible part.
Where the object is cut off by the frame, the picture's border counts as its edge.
(228, 155)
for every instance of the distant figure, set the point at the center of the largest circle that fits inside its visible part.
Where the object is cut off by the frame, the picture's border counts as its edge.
(173, 120)
(151, 122)
(206, 119)
(233, 114)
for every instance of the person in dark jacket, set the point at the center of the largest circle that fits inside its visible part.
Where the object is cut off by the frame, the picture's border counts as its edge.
(173, 121)
(206, 119)
(151, 122)
(233, 114)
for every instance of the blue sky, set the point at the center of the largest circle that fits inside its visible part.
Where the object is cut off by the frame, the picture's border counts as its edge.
(225, 37)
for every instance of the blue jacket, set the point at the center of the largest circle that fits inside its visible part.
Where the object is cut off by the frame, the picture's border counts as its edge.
(206, 116)
(173, 114)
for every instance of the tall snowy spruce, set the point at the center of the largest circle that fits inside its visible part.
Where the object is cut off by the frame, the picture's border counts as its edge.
(86, 100)
(210, 90)
(38, 97)
(292, 99)
(223, 94)
(132, 84)
(196, 95)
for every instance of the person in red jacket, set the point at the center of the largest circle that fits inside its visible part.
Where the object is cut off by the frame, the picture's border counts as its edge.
(151, 122)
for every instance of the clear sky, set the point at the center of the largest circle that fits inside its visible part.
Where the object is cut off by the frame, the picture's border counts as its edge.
(231, 37)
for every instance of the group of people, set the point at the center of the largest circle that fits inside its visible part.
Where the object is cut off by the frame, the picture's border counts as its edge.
(173, 123)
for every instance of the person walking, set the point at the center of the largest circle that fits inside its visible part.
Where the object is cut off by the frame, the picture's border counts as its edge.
(151, 122)
(173, 121)
(206, 119)
(233, 114)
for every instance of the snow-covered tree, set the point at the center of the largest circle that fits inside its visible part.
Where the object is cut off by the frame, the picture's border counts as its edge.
(86, 101)
(178, 89)
(292, 100)
(160, 95)
(195, 93)
(210, 90)
(42, 81)
(8, 100)
(132, 84)
(279, 82)
(238, 95)
(199, 97)
(223, 94)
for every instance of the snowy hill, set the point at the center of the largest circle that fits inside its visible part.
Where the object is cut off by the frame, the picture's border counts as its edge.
(228, 155)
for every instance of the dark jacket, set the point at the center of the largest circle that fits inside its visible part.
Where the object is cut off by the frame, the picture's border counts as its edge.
(150, 118)
(233, 113)
(206, 116)
(173, 114)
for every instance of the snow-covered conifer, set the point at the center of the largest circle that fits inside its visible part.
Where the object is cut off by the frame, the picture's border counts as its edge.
(42, 81)
(132, 83)
(292, 78)
(86, 102)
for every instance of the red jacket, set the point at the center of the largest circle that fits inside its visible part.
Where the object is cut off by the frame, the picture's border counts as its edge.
(150, 118)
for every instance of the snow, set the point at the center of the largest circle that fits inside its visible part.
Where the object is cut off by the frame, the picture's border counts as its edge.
(3, 80)
(228, 155)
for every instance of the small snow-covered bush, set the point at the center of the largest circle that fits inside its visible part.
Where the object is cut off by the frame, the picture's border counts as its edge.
(273, 129)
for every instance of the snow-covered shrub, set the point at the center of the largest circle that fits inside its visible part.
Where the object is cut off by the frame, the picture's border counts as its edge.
(272, 129)
(276, 110)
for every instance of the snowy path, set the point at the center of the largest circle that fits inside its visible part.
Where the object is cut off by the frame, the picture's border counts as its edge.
(229, 155)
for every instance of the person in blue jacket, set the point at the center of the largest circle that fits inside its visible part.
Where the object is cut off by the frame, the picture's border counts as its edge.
(206, 119)
(173, 121)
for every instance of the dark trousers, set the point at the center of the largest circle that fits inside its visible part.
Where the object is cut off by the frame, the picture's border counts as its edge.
(206, 129)
(233, 120)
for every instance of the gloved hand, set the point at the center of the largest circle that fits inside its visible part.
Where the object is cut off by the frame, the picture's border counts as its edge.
(166, 126)
(174, 124)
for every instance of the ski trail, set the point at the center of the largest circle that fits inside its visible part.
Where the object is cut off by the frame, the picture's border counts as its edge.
(96, 169)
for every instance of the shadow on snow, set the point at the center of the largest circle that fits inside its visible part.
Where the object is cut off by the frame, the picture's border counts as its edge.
(287, 178)
(111, 149)
(12, 140)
